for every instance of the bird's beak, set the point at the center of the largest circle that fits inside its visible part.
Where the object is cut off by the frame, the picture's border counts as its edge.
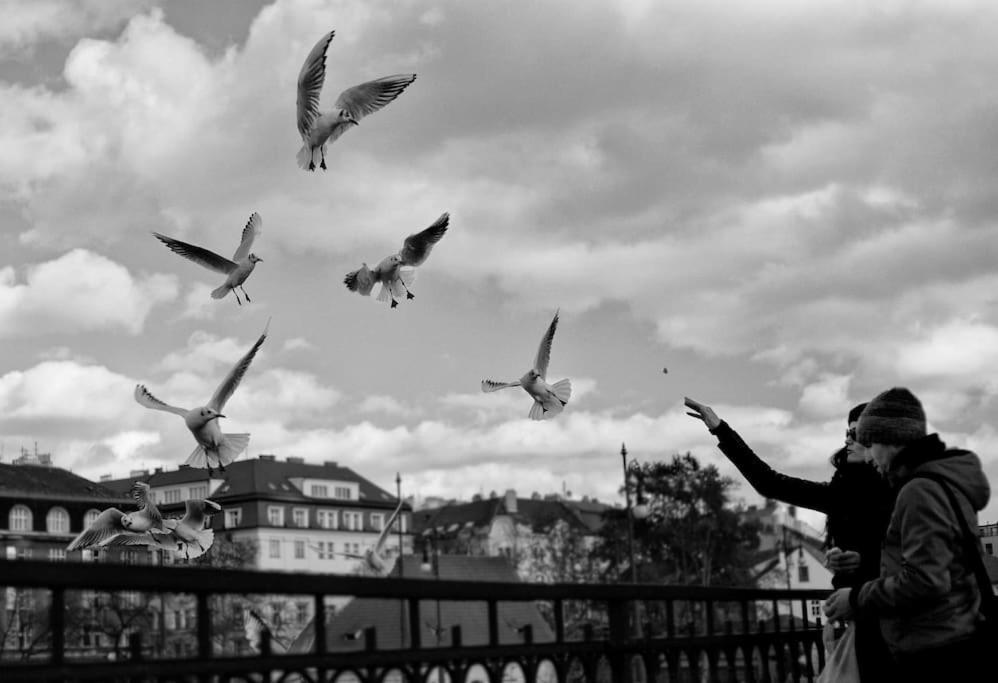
(355, 122)
(219, 416)
(212, 504)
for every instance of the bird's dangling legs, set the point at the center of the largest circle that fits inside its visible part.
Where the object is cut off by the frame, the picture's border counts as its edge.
(394, 303)
(408, 294)
(322, 165)
(244, 293)
(237, 296)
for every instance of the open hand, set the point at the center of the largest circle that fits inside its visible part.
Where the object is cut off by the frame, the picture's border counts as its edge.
(702, 412)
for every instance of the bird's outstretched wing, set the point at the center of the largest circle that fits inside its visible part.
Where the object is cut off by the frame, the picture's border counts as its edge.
(313, 73)
(369, 97)
(140, 492)
(361, 281)
(544, 350)
(195, 516)
(200, 255)
(253, 227)
(490, 385)
(386, 529)
(416, 247)
(262, 624)
(146, 399)
(231, 381)
(101, 530)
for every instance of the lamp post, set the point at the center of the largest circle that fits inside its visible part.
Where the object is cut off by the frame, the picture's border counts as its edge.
(401, 561)
(640, 509)
(431, 562)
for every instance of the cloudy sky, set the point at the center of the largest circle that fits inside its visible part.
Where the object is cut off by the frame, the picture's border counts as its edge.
(789, 205)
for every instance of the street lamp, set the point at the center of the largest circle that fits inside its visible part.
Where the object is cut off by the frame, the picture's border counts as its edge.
(639, 510)
(431, 562)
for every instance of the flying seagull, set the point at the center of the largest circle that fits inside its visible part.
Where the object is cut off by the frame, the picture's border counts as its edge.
(236, 271)
(374, 558)
(549, 400)
(214, 449)
(258, 624)
(113, 522)
(318, 129)
(186, 536)
(415, 250)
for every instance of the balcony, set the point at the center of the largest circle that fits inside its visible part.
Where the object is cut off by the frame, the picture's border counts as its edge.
(590, 632)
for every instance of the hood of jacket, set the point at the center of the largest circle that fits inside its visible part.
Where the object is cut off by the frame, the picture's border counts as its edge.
(961, 468)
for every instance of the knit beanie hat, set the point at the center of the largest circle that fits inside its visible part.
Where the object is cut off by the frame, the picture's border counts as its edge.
(893, 417)
(856, 412)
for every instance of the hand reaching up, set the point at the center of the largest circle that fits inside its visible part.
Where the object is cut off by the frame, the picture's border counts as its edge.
(702, 412)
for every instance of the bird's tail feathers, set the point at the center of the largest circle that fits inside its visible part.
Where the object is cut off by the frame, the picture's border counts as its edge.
(304, 157)
(537, 411)
(220, 292)
(198, 458)
(385, 293)
(562, 390)
(196, 548)
(232, 446)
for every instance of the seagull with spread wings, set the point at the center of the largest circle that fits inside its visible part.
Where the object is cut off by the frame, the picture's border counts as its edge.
(374, 559)
(317, 128)
(394, 280)
(112, 522)
(186, 536)
(235, 271)
(214, 448)
(549, 399)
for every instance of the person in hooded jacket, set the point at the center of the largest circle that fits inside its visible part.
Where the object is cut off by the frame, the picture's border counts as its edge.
(926, 596)
(857, 504)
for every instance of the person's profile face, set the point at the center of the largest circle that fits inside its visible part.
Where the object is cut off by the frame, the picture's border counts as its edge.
(854, 451)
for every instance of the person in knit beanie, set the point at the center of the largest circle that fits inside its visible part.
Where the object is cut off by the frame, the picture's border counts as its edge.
(926, 597)
(894, 417)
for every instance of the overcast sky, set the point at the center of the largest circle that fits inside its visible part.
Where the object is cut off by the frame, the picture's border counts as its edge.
(787, 204)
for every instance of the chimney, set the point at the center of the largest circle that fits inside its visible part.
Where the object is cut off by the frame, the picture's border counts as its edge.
(268, 457)
(138, 473)
(330, 463)
(511, 501)
(159, 470)
(296, 460)
(106, 477)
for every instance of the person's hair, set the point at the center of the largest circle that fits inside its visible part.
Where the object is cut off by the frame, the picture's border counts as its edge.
(856, 412)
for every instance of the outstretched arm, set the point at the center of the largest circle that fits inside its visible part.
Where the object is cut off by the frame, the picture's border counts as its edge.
(763, 478)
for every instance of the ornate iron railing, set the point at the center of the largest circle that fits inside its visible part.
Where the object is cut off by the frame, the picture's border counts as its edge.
(626, 633)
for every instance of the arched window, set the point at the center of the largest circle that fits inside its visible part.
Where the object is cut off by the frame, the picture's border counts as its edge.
(20, 518)
(90, 517)
(57, 521)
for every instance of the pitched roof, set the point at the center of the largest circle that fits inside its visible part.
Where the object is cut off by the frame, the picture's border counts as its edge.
(539, 514)
(390, 617)
(268, 477)
(40, 481)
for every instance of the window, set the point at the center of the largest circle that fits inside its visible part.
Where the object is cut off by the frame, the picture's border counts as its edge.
(171, 496)
(816, 610)
(196, 492)
(24, 553)
(300, 517)
(803, 573)
(356, 549)
(233, 517)
(275, 549)
(302, 612)
(57, 554)
(275, 515)
(377, 521)
(20, 518)
(319, 491)
(299, 550)
(57, 521)
(989, 549)
(351, 520)
(327, 519)
(342, 492)
(90, 517)
(170, 617)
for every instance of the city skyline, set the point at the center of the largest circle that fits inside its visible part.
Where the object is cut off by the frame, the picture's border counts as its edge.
(786, 207)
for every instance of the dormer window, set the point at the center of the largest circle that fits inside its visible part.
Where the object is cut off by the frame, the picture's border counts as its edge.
(319, 491)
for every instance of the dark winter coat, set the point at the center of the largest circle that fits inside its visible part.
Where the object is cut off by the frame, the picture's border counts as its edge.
(927, 595)
(857, 502)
